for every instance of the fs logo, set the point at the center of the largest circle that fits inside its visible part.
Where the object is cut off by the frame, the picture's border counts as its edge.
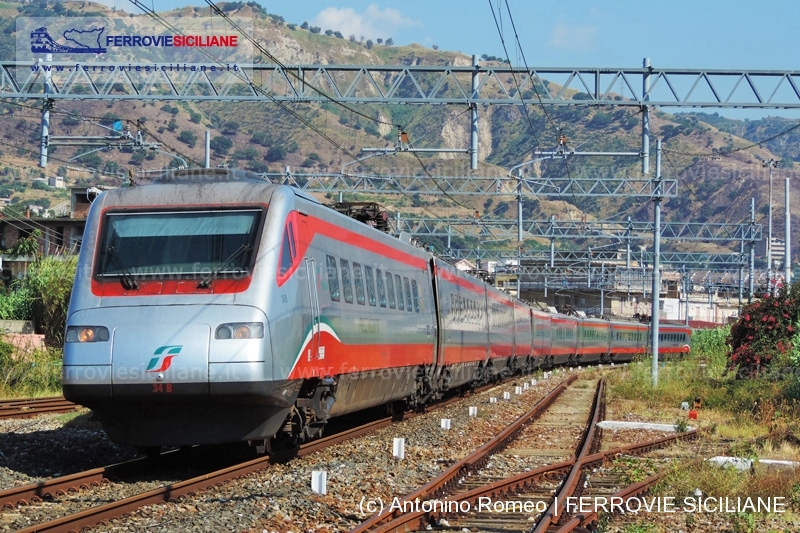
(164, 354)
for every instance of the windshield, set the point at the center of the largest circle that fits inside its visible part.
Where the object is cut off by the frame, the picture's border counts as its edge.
(184, 244)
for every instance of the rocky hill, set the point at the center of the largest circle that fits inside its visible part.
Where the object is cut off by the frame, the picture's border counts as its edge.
(716, 160)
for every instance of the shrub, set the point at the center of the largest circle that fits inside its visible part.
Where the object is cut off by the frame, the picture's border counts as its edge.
(49, 283)
(188, 137)
(764, 331)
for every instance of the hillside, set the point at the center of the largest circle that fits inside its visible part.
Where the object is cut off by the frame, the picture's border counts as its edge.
(714, 158)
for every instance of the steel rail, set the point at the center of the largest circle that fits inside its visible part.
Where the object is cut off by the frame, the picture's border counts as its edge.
(420, 519)
(167, 493)
(173, 492)
(473, 461)
(625, 494)
(28, 408)
(588, 444)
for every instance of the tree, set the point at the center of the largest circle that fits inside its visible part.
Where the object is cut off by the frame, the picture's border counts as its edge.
(276, 153)
(248, 153)
(389, 42)
(195, 117)
(261, 138)
(328, 32)
(187, 137)
(230, 128)
(369, 44)
(304, 25)
(221, 144)
(27, 246)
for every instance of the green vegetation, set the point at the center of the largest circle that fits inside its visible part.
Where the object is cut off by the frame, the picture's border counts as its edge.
(756, 414)
(762, 337)
(49, 285)
(34, 373)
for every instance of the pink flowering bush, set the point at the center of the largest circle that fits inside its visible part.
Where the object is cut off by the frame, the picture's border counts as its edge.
(764, 332)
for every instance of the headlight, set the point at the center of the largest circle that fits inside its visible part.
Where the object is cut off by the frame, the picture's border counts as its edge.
(240, 330)
(87, 334)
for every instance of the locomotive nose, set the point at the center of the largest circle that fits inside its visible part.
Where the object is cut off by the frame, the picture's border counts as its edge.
(168, 359)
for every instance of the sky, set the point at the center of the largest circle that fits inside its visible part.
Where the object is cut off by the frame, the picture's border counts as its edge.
(734, 34)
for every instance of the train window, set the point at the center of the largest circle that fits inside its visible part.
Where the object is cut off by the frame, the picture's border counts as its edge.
(415, 293)
(177, 244)
(381, 290)
(333, 277)
(358, 281)
(407, 287)
(347, 288)
(390, 290)
(399, 284)
(370, 284)
(288, 249)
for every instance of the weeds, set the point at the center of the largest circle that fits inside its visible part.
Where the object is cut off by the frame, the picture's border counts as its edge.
(34, 373)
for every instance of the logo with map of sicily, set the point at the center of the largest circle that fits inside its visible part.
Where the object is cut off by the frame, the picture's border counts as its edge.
(76, 41)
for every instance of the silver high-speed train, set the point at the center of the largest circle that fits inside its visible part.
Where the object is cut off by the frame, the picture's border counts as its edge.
(212, 306)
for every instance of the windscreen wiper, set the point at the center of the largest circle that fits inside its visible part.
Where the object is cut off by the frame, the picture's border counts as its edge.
(206, 281)
(127, 279)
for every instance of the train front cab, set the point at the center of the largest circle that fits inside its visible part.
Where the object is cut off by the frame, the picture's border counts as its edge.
(166, 333)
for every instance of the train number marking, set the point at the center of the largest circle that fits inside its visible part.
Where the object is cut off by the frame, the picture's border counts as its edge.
(159, 388)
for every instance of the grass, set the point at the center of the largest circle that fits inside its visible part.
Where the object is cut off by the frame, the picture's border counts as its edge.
(756, 414)
(29, 374)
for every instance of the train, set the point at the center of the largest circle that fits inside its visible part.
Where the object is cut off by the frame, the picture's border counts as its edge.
(212, 306)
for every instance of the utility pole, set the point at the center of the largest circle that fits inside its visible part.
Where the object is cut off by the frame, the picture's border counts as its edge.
(752, 249)
(46, 107)
(770, 163)
(656, 256)
(787, 259)
(646, 118)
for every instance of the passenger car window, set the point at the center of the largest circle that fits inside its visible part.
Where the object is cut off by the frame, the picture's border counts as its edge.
(347, 287)
(390, 290)
(381, 289)
(407, 287)
(333, 277)
(370, 285)
(358, 282)
(399, 284)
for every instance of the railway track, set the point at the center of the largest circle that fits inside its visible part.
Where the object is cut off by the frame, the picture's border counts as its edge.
(52, 491)
(30, 407)
(536, 497)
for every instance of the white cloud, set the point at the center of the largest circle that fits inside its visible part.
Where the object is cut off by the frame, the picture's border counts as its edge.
(578, 38)
(374, 22)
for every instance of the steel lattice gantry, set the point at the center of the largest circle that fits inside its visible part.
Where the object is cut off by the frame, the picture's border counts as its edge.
(580, 230)
(496, 85)
(585, 256)
(476, 185)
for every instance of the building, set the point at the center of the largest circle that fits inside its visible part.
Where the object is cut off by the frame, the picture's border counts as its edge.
(61, 234)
